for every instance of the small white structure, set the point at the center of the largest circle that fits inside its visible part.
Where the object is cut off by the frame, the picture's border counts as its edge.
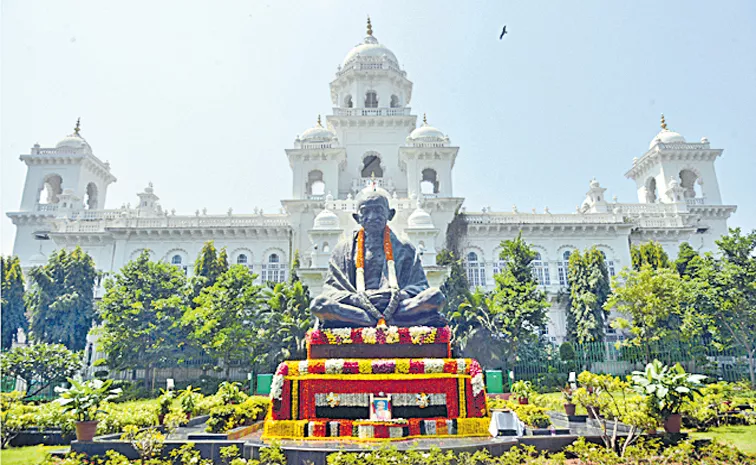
(371, 138)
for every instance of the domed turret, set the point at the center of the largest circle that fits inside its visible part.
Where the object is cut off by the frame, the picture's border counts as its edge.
(370, 49)
(666, 136)
(327, 220)
(74, 142)
(420, 219)
(317, 135)
(427, 135)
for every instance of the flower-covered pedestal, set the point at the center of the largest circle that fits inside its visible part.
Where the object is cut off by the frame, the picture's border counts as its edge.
(329, 398)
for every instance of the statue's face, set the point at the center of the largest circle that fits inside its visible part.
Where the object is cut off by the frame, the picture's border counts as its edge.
(373, 214)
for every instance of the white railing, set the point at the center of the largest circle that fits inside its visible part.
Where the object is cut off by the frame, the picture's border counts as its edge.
(366, 64)
(660, 222)
(350, 205)
(545, 218)
(696, 201)
(402, 111)
(170, 222)
(636, 208)
(47, 207)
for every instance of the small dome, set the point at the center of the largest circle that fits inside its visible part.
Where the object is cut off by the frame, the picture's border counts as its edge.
(666, 136)
(594, 184)
(427, 133)
(420, 219)
(73, 142)
(317, 133)
(327, 220)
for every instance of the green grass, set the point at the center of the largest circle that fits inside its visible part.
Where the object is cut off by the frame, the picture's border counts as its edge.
(742, 437)
(31, 455)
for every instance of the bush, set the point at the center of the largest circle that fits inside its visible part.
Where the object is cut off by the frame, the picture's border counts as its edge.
(532, 415)
(226, 417)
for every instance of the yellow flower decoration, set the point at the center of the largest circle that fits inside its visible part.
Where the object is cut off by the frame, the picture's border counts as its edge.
(402, 365)
(365, 366)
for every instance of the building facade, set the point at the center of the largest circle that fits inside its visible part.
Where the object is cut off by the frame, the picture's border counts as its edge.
(370, 138)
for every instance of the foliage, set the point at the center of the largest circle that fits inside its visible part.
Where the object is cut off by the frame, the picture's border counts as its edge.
(456, 289)
(141, 309)
(208, 267)
(231, 393)
(40, 365)
(189, 398)
(12, 300)
(649, 253)
(648, 297)
(726, 296)
(589, 288)
(117, 417)
(61, 299)
(165, 402)
(667, 388)
(11, 424)
(84, 399)
(148, 443)
(282, 324)
(223, 321)
(568, 393)
(688, 260)
(522, 389)
(510, 316)
(229, 416)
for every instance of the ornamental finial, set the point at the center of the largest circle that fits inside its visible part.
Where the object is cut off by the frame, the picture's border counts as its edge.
(320, 125)
(78, 126)
(425, 119)
(663, 123)
(369, 27)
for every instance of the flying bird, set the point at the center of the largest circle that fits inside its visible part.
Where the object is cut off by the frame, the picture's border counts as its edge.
(503, 31)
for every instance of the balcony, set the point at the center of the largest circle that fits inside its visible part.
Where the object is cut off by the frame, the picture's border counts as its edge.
(402, 111)
(696, 201)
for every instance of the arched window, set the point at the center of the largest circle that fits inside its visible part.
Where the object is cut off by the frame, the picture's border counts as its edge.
(429, 183)
(371, 99)
(176, 260)
(273, 271)
(348, 101)
(241, 259)
(476, 270)
(53, 187)
(315, 184)
(91, 196)
(541, 270)
(688, 182)
(563, 267)
(609, 264)
(371, 166)
(394, 101)
(326, 247)
(651, 190)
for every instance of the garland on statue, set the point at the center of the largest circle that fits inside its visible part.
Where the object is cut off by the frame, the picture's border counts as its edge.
(393, 282)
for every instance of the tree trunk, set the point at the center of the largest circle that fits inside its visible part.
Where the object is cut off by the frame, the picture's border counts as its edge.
(751, 368)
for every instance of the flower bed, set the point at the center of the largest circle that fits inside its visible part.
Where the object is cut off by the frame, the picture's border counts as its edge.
(380, 342)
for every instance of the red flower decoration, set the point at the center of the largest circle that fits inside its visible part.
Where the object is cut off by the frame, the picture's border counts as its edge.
(357, 336)
(404, 336)
(345, 428)
(319, 429)
(443, 334)
(414, 426)
(416, 366)
(351, 368)
(283, 369)
(316, 368)
(450, 366)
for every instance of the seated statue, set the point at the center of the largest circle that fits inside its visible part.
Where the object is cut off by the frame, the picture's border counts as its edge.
(375, 278)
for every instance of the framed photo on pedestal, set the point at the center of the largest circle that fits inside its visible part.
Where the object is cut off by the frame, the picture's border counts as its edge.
(380, 407)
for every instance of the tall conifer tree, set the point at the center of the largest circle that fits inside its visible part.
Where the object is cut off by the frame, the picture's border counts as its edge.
(13, 306)
(589, 289)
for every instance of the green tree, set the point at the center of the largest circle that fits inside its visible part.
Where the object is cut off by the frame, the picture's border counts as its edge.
(649, 298)
(296, 262)
(223, 321)
(456, 288)
(208, 267)
(12, 300)
(727, 291)
(40, 365)
(589, 289)
(284, 322)
(688, 260)
(61, 299)
(141, 313)
(649, 253)
(513, 313)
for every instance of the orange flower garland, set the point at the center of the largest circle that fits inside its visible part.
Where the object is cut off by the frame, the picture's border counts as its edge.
(387, 250)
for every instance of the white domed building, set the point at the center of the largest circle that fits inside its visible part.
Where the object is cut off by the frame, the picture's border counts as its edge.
(372, 140)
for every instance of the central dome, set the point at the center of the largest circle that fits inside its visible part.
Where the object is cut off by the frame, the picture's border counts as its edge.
(370, 47)
(666, 136)
(74, 142)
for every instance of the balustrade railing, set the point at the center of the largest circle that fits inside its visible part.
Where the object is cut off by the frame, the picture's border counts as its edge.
(402, 111)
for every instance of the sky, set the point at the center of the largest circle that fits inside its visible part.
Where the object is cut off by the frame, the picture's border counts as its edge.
(202, 97)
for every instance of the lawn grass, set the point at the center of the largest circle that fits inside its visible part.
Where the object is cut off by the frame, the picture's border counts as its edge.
(742, 437)
(30, 455)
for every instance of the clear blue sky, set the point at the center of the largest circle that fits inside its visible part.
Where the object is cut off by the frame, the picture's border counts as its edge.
(201, 98)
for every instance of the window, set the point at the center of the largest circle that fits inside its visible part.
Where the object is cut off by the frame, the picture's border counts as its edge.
(688, 182)
(91, 196)
(273, 270)
(315, 184)
(562, 267)
(371, 166)
(394, 101)
(241, 259)
(348, 101)
(53, 187)
(371, 99)
(179, 262)
(609, 264)
(476, 270)
(651, 190)
(541, 270)
(429, 183)
(498, 266)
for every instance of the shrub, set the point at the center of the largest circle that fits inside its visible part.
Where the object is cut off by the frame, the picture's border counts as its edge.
(224, 418)
(530, 414)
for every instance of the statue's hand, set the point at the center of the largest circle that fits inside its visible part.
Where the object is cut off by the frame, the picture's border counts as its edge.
(379, 297)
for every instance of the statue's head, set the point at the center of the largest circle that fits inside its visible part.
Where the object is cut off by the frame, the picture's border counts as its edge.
(373, 212)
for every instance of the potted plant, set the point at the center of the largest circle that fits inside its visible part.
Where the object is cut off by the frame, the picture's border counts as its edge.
(189, 398)
(522, 389)
(231, 393)
(568, 394)
(667, 389)
(84, 400)
(165, 401)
